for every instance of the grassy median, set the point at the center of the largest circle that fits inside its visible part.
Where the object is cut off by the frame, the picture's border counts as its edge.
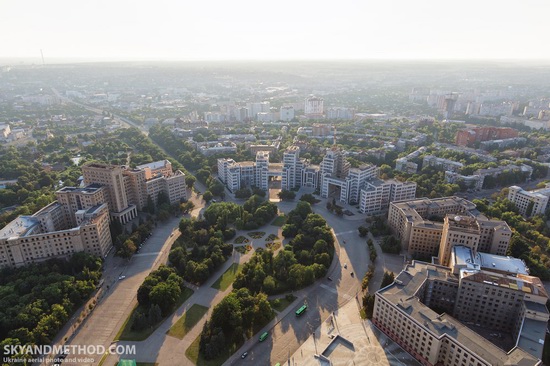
(127, 334)
(189, 319)
(227, 278)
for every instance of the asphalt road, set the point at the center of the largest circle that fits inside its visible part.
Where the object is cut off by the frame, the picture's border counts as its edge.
(323, 297)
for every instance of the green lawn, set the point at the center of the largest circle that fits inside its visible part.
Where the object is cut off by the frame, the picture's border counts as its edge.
(189, 319)
(227, 278)
(282, 303)
(127, 334)
(279, 221)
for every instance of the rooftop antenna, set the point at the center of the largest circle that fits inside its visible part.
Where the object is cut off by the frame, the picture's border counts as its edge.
(42, 54)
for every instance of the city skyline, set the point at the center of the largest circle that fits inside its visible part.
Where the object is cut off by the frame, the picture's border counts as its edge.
(241, 30)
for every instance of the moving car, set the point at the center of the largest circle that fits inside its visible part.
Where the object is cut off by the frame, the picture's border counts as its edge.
(244, 355)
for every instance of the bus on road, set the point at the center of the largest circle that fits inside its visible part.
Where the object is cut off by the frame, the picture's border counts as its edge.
(263, 336)
(302, 309)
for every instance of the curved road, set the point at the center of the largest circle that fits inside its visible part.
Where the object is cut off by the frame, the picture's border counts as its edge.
(323, 297)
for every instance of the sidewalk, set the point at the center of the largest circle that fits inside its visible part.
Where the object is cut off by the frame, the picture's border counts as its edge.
(166, 350)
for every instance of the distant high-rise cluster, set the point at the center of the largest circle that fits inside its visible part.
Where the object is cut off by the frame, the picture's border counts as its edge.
(333, 177)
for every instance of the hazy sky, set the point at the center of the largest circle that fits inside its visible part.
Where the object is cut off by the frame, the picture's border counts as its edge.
(284, 29)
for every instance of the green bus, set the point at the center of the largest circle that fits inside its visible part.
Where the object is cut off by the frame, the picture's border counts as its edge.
(302, 309)
(263, 336)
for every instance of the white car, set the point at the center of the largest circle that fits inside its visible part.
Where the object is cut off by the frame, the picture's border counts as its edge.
(121, 277)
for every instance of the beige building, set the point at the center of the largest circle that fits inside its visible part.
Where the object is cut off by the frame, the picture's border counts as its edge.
(74, 199)
(127, 190)
(458, 230)
(49, 234)
(417, 223)
(111, 177)
(410, 221)
(151, 179)
(418, 312)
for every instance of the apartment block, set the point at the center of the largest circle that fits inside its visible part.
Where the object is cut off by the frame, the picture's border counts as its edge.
(446, 164)
(377, 195)
(470, 136)
(529, 203)
(313, 107)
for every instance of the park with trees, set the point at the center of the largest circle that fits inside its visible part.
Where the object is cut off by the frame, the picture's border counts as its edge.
(38, 299)
(304, 259)
(239, 313)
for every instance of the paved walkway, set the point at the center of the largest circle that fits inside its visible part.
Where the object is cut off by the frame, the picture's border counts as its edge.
(345, 339)
(120, 297)
(167, 350)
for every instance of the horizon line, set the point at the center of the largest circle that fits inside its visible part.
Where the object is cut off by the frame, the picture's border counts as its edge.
(30, 60)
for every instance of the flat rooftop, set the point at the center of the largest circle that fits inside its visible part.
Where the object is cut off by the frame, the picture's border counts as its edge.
(402, 293)
(154, 165)
(21, 226)
(91, 188)
(532, 335)
(524, 283)
(463, 256)
(502, 263)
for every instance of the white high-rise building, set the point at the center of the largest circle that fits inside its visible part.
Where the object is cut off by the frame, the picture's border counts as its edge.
(529, 203)
(286, 113)
(313, 107)
(378, 194)
(292, 168)
(262, 169)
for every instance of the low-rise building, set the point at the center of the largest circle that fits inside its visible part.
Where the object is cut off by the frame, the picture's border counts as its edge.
(474, 181)
(446, 164)
(216, 147)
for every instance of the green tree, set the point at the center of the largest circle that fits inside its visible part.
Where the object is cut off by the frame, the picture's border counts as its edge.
(388, 279)
(286, 195)
(207, 196)
(190, 181)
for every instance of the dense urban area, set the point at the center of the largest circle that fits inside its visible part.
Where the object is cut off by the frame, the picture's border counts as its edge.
(275, 213)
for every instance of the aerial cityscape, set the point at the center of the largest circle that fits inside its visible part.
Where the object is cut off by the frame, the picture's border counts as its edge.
(307, 196)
